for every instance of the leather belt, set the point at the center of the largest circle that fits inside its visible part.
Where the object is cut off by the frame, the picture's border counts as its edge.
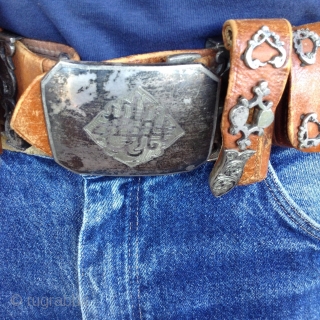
(156, 113)
(21, 62)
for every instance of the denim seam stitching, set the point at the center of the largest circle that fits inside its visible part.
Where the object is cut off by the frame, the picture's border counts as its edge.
(129, 257)
(80, 253)
(293, 208)
(288, 214)
(118, 275)
(119, 302)
(137, 250)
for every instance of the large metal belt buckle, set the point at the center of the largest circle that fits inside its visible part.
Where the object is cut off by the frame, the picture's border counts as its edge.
(128, 120)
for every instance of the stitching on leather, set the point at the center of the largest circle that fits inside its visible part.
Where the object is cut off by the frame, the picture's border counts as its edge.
(290, 216)
(137, 250)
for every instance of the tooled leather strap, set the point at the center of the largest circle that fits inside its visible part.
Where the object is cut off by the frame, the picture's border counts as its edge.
(31, 59)
(299, 116)
(28, 119)
(260, 52)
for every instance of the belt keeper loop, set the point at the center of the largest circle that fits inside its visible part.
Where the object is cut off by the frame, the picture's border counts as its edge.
(260, 52)
(302, 111)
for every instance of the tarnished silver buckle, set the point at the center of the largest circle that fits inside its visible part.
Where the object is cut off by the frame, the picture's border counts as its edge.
(130, 120)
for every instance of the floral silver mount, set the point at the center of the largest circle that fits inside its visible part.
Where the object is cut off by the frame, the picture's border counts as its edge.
(262, 115)
(228, 171)
(306, 58)
(303, 136)
(273, 40)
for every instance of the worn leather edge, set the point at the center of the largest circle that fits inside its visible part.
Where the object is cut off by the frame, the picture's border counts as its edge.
(28, 118)
(32, 59)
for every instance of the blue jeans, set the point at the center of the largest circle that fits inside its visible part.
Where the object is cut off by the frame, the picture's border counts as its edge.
(159, 247)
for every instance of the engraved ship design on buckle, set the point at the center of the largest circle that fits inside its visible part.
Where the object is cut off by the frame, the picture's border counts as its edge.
(303, 135)
(228, 171)
(306, 58)
(134, 130)
(261, 36)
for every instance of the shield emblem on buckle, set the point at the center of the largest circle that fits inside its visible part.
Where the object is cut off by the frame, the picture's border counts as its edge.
(130, 119)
